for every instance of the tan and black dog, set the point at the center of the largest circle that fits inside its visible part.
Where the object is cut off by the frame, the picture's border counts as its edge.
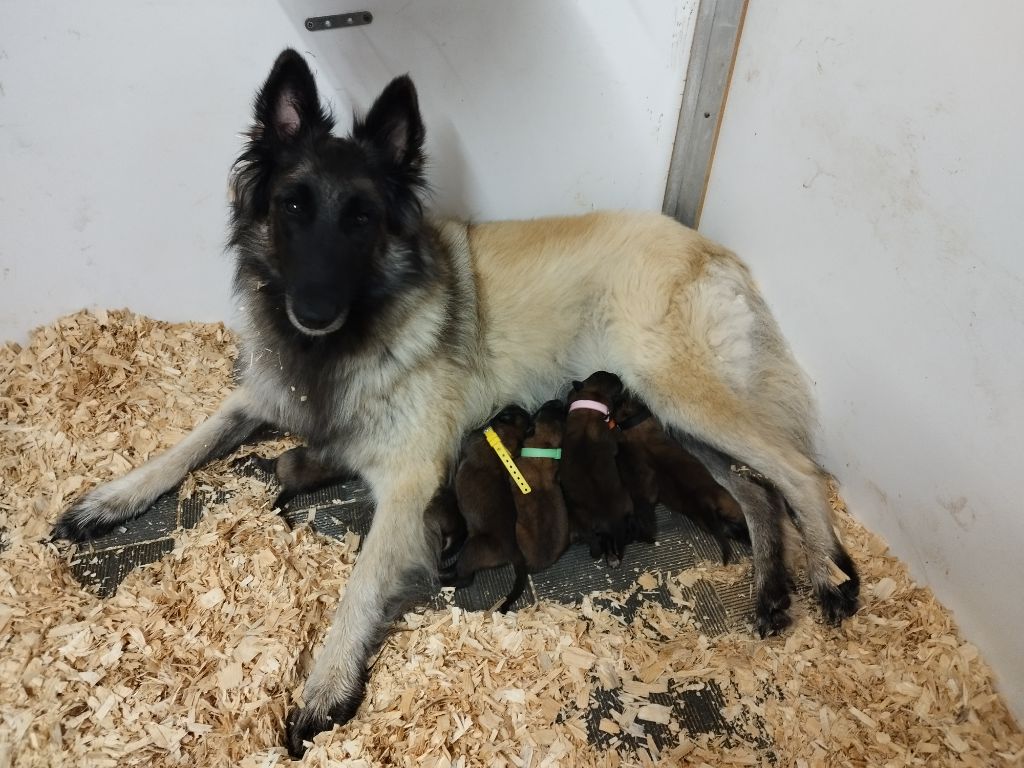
(381, 335)
(486, 502)
(656, 468)
(600, 508)
(542, 521)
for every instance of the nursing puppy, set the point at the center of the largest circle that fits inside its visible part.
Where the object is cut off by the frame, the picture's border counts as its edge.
(600, 508)
(381, 337)
(487, 505)
(655, 468)
(542, 521)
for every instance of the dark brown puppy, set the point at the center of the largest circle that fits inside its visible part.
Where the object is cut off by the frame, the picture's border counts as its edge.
(542, 521)
(600, 508)
(485, 501)
(656, 468)
(641, 482)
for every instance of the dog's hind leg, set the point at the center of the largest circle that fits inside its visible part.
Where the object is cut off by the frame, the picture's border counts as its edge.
(804, 486)
(396, 554)
(707, 356)
(111, 504)
(763, 511)
(799, 478)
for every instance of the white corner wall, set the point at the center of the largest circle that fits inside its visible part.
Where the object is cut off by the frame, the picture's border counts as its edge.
(870, 169)
(119, 122)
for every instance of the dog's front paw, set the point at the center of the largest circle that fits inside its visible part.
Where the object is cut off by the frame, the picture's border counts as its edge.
(90, 517)
(306, 722)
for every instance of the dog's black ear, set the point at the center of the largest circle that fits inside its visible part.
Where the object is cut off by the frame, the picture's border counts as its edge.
(577, 385)
(393, 124)
(288, 104)
(286, 107)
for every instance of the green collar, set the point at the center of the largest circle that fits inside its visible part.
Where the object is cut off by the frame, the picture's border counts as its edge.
(541, 453)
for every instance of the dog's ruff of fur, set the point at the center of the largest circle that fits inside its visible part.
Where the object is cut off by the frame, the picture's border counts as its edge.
(495, 313)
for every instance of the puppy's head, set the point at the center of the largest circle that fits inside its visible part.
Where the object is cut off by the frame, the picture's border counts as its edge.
(629, 406)
(511, 423)
(319, 220)
(601, 386)
(549, 423)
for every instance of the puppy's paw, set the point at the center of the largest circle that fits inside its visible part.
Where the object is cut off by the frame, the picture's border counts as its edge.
(283, 499)
(611, 547)
(725, 547)
(449, 577)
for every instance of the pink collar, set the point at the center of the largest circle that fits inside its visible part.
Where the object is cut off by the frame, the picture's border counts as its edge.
(590, 405)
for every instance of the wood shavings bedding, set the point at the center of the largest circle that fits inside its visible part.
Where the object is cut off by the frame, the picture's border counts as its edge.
(196, 658)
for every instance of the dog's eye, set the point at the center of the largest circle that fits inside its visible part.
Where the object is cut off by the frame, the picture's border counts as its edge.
(361, 219)
(294, 207)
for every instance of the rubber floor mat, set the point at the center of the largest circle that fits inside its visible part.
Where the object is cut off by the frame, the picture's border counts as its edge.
(335, 510)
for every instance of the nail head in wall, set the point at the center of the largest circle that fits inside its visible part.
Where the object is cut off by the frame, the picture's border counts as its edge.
(339, 21)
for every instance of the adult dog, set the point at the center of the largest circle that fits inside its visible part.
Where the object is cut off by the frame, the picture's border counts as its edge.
(382, 338)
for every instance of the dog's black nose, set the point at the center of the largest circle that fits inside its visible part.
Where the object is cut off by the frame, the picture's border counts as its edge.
(315, 313)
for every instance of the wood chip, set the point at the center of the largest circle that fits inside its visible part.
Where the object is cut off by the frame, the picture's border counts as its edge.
(655, 713)
(647, 581)
(197, 658)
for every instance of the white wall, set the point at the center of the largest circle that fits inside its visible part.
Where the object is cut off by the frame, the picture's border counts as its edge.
(118, 124)
(119, 121)
(870, 168)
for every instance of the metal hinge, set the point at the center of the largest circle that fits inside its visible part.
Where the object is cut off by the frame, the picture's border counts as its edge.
(338, 20)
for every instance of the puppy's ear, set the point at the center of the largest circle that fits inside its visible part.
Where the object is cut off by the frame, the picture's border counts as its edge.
(394, 126)
(288, 104)
(577, 385)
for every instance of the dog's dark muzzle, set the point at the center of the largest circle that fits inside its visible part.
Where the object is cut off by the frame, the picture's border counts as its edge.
(315, 314)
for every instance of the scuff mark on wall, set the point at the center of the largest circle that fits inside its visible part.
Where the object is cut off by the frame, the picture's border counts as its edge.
(957, 509)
